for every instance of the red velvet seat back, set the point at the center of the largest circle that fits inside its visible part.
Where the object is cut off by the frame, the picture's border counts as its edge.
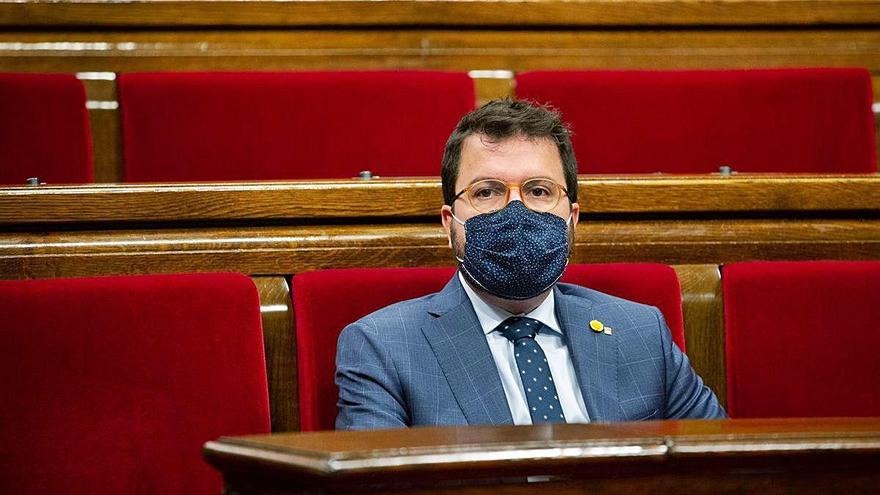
(802, 339)
(112, 385)
(785, 120)
(326, 301)
(44, 129)
(291, 125)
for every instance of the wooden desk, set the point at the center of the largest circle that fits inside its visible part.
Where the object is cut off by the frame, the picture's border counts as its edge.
(682, 457)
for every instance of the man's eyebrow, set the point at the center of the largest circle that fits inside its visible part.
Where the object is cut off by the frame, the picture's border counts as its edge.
(483, 177)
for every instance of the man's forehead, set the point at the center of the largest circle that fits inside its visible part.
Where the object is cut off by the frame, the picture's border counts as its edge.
(513, 158)
(482, 142)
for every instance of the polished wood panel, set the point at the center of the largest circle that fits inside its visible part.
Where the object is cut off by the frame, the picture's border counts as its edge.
(340, 199)
(703, 310)
(421, 197)
(107, 144)
(276, 311)
(285, 250)
(437, 13)
(724, 456)
(514, 50)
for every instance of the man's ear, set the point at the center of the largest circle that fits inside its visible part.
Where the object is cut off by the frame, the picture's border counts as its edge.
(446, 219)
(575, 214)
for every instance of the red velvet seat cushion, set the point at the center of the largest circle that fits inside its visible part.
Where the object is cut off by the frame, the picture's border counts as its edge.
(784, 120)
(44, 129)
(320, 317)
(802, 338)
(112, 385)
(288, 125)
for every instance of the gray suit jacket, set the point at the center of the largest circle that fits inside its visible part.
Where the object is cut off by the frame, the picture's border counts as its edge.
(427, 362)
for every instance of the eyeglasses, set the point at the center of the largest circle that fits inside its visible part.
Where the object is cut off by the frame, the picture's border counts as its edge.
(490, 195)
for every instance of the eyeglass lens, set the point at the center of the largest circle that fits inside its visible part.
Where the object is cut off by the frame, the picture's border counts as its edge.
(491, 195)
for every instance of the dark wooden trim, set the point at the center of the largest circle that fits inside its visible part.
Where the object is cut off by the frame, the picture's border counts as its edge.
(276, 311)
(703, 310)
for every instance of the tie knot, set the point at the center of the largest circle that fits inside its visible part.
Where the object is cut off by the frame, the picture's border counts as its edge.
(519, 327)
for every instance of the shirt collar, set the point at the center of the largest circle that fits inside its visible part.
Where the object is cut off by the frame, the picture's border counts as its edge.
(491, 316)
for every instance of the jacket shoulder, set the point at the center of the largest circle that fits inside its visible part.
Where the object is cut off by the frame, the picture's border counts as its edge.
(395, 319)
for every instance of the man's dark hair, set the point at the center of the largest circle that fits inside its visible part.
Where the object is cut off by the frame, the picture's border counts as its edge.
(506, 118)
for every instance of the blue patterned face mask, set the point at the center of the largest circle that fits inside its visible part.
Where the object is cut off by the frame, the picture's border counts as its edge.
(515, 253)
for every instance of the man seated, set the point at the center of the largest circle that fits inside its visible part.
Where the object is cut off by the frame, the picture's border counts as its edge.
(503, 342)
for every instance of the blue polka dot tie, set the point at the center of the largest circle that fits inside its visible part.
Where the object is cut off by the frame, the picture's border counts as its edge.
(533, 369)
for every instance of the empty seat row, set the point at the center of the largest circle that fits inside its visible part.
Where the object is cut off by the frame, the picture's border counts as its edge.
(311, 125)
(113, 384)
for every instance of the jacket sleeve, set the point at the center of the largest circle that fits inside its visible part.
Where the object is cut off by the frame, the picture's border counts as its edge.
(686, 394)
(370, 393)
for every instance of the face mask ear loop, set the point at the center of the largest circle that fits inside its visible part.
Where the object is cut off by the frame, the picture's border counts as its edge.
(570, 247)
(450, 233)
(456, 218)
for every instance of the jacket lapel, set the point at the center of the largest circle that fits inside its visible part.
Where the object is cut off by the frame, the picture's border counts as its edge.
(593, 354)
(461, 349)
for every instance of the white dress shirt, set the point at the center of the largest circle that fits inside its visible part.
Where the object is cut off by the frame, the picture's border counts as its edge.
(554, 347)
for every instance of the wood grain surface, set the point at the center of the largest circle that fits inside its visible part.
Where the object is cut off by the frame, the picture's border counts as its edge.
(290, 250)
(686, 456)
(703, 311)
(419, 198)
(117, 13)
(508, 49)
(280, 344)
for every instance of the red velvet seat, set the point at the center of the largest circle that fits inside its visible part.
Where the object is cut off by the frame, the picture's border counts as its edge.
(44, 129)
(320, 318)
(783, 120)
(802, 338)
(288, 125)
(112, 385)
